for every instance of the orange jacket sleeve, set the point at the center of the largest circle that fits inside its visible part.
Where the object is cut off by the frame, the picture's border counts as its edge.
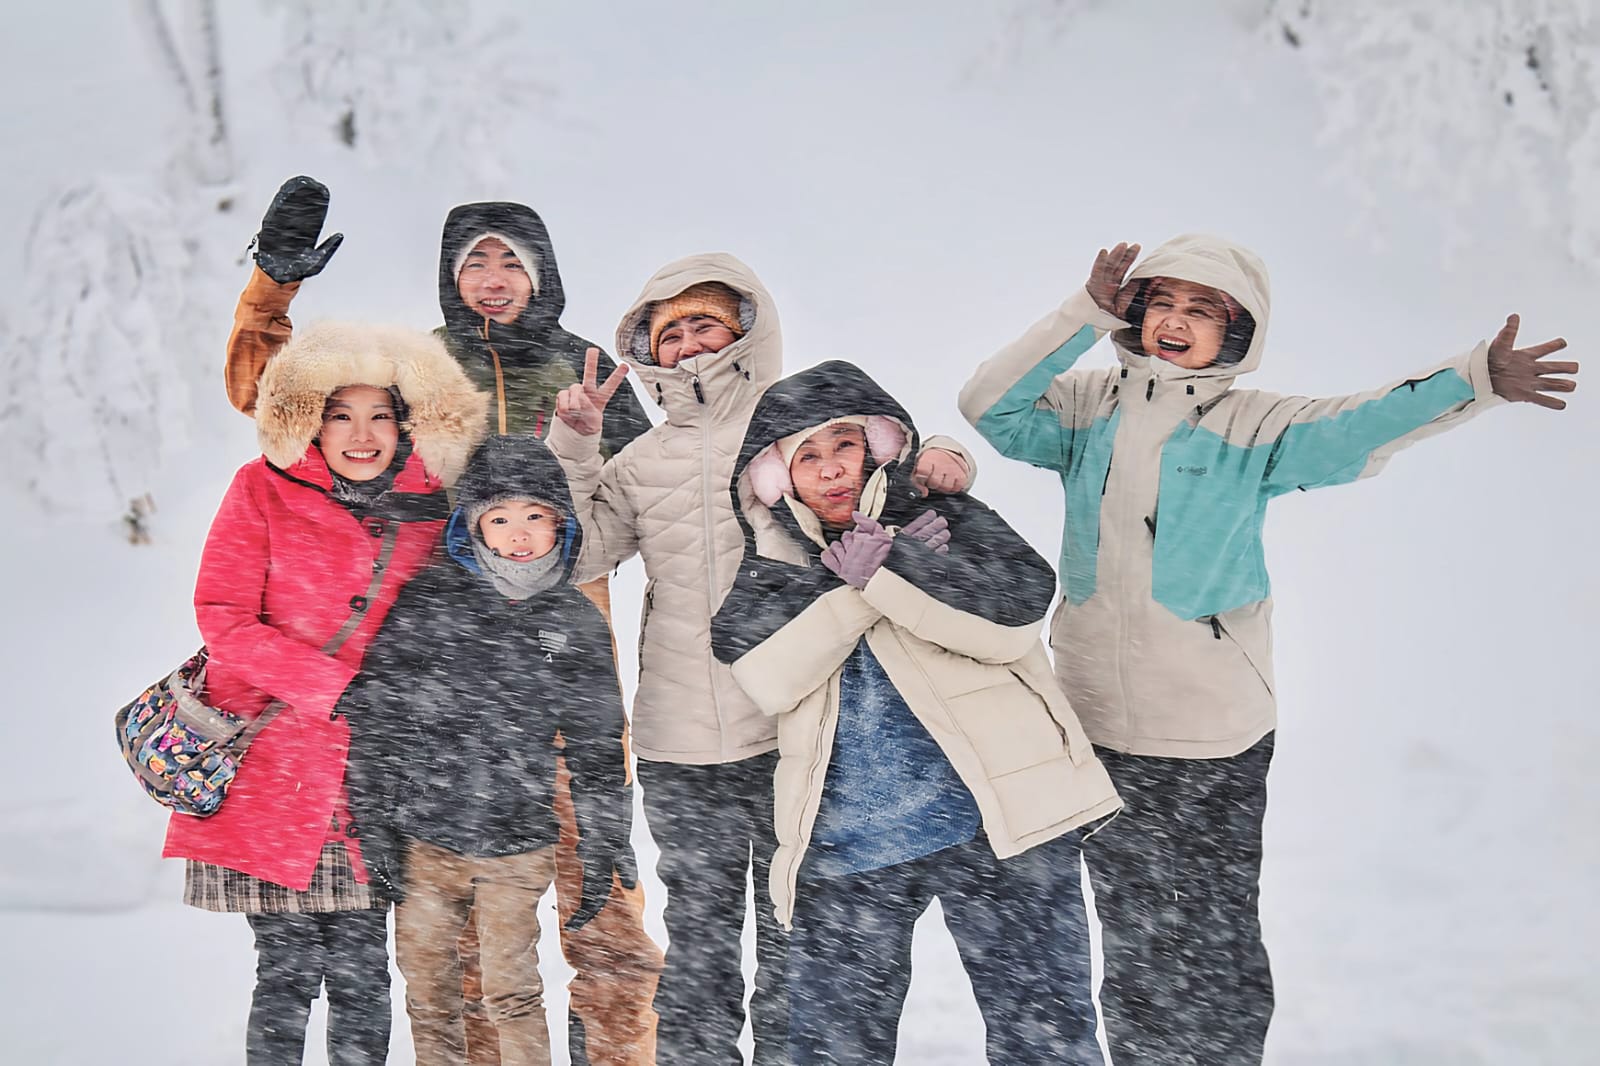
(260, 327)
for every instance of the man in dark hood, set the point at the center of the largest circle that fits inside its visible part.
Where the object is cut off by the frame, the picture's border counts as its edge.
(502, 299)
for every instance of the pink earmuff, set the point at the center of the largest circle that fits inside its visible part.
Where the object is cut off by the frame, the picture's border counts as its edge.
(885, 438)
(769, 476)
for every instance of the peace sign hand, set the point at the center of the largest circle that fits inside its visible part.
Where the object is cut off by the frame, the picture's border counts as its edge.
(582, 406)
(1520, 374)
(1105, 278)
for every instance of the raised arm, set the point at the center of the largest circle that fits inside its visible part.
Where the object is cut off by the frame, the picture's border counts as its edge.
(1340, 439)
(286, 254)
(610, 531)
(1017, 400)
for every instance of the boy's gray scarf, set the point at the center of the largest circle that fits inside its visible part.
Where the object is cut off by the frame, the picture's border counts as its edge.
(519, 581)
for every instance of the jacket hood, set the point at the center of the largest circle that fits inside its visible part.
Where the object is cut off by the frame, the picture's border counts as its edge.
(463, 227)
(738, 372)
(513, 466)
(445, 414)
(814, 397)
(1221, 264)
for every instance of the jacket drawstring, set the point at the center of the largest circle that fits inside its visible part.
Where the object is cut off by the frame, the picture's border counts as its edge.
(499, 379)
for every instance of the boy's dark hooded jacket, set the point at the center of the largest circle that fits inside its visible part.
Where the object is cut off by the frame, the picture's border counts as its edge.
(454, 715)
(957, 635)
(523, 365)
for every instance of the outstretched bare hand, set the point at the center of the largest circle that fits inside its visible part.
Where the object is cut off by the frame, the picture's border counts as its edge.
(582, 406)
(1521, 375)
(1105, 278)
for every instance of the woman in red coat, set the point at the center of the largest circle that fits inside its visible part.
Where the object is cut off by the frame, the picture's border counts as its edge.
(360, 429)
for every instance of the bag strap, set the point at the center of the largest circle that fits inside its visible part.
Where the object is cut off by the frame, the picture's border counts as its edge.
(358, 614)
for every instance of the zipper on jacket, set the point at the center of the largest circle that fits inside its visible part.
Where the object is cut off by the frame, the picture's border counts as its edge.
(1150, 524)
(709, 530)
(700, 396)
(1150, 389)
(1216, 626)
(499, 378)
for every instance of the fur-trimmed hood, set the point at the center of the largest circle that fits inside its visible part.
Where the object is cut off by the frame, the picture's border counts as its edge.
(445, 414)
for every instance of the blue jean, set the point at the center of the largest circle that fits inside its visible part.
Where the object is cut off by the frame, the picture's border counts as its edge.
(1019, 925)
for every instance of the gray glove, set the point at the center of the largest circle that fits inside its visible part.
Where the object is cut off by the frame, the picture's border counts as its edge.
(931, 529)
(856, 555)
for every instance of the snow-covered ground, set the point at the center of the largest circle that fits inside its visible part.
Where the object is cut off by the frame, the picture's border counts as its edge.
(913, 197)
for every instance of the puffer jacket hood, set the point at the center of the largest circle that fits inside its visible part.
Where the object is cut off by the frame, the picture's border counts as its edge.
(513, 466)
(464, 226)
(719, 381)
(1220, 264)
(445, 414)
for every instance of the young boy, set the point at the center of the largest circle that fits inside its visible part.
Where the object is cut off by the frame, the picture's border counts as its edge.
(703, 340)
(453, 722)
(925, 748)
(1162, 638)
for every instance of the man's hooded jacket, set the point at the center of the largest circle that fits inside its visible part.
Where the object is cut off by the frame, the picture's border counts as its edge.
(523, 365)
(1163, 638)
(454, 716)
(957, 634)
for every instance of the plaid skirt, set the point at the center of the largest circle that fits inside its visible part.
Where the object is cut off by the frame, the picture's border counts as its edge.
(333, 888)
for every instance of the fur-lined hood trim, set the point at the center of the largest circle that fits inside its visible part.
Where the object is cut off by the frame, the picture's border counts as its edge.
(445, 414)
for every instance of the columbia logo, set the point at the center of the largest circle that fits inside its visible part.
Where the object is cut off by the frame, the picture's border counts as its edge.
(1197, 471)
(552, 643)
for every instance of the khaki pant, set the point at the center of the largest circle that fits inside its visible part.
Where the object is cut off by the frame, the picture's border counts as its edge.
(442, 888)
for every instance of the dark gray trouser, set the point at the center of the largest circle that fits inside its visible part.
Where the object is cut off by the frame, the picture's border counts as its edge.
(1176, 885)
(296, 955)
(713, 825)
(1018, 923)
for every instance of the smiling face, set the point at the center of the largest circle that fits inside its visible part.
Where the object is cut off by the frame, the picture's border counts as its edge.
(1184, 322)
(359, 432)
(520, 530)
(494, 282)
(690, 336)
(829, 471)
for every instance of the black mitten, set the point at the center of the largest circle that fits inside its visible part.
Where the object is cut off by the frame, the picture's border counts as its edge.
(286, 246)
(599, 863)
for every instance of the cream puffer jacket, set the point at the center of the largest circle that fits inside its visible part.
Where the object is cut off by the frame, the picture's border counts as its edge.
(957, 635)
(665, 496)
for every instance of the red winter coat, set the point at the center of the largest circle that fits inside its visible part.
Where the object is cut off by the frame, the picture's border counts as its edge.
(280, 566)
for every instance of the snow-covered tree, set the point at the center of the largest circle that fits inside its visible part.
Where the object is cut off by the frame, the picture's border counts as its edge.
(101, 354)
(397, 81)
(97, 394)
(1454, 98)
(1449, 99)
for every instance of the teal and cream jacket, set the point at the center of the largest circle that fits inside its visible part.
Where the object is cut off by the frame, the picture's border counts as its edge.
(1162, 637)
